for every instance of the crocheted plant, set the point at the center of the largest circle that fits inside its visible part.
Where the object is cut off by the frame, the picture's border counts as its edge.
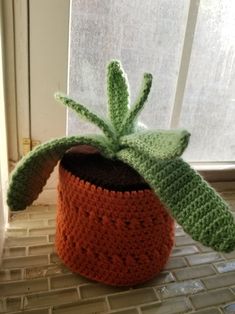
(154, 154)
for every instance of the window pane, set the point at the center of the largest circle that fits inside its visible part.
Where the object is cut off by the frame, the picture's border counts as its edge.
(147, 36)
(209, 103)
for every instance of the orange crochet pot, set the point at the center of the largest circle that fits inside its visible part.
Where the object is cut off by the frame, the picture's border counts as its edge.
(115, 237)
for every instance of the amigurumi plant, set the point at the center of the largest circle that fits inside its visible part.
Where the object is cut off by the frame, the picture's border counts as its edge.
(115, 233)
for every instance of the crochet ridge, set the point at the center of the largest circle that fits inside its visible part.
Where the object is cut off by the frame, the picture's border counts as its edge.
(154, 154)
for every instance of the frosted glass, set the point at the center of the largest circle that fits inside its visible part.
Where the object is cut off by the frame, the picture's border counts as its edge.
(147, 36)
(209, 102)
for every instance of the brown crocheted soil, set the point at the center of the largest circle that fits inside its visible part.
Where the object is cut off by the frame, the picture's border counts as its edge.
(88, 164)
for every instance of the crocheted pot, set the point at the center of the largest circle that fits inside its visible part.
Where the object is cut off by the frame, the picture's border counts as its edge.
(115, 237)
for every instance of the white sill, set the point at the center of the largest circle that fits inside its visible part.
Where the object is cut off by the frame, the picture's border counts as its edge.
(212, 166)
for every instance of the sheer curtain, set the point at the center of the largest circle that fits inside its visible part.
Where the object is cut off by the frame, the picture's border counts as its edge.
(148, 36)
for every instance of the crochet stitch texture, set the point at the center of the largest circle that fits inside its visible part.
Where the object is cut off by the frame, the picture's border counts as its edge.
(154, 154)
(118, 238)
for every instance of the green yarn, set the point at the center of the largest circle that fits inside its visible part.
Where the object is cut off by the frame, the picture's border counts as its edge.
(32, 172)
(154, 154)
(190, 200)
(118, 94)
(162, 144)
(86, 114)
(129, 121)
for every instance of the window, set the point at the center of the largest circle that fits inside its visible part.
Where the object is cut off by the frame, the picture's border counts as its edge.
(188, 46)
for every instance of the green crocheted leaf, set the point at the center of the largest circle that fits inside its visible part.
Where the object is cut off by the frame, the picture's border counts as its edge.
(129, 122)
(32, 172)
(86, 114)
(118, 94)
(190, 200)
(161, 144)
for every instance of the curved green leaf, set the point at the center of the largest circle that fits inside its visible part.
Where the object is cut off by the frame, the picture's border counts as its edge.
(190, 200)
(86, 114)
(32, 172)
(161, 144)
(118, 94)
(128, 123)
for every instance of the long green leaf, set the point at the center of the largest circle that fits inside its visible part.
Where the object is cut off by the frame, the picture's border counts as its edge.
(161, 144)
(118, 94)
(86, 114)
(32, 172)
(128, 123)
(190, 200)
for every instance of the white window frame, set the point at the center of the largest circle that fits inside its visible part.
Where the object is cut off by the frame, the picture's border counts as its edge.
(3, 149)
(16, 11)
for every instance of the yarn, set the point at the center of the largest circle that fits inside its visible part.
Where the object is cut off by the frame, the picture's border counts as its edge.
(33, 170)
(118, 238)
(190, 200)
(153, 154)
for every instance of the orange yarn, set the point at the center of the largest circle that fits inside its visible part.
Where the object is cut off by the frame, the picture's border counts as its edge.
(118, 238)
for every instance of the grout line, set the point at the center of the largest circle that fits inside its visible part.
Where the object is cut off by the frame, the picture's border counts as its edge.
(79, 292)
(49, 283)
(22, 302)
(107, 303)
(139, 310)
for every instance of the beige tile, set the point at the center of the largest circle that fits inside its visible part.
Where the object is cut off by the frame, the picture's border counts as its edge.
(28, 223)
(15, 216)
(84, 307)
(2, 306)
(52, 222)
(175, 262)
(219, 281)
(23, 287)
(184, 240)
(37, 209)
(180, 288)
(229, 255)
(45, 271)
(54, 259)
(51, 298)
(41, 249)
(132, 297)
(224, 267)
(52, 208)
(204, 258)
(194, 272)
(129, 311)
(184, 250)
(36, 311)
(229, 308)
(162, 278)
(16, 232)
(179, 232)
(42, 215)
(208, 311)
(171, 306)
(25, 261)
(212, 298)
(13, 304)
(10, 275)
(42, 231)
(52, 238)
(68, 280)
(22, 241)
(14, 251)
(97, 290)
(203, 248)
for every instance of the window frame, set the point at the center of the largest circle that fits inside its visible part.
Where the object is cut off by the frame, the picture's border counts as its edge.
(16, 13)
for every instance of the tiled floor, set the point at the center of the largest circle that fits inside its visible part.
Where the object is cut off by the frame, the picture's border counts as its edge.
(33, 279)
